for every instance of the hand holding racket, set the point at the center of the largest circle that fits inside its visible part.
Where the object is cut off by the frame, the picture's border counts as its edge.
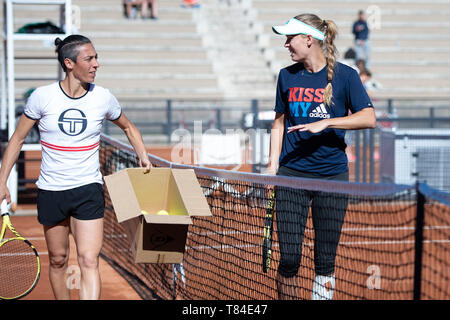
(268, 229)
(19, 261)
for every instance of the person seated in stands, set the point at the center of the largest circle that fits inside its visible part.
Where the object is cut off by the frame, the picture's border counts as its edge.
(370, 84)
(154, 9)
(360, 65)
(131, 8)
(365, 76)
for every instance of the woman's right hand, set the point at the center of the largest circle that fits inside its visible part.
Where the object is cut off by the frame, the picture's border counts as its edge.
(4, 193)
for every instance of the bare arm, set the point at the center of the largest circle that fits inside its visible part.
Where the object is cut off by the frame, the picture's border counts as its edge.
(276, 143)
(12, 153)
(362, 119)
(135, 138)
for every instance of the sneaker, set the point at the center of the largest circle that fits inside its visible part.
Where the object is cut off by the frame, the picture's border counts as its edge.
(323, 288)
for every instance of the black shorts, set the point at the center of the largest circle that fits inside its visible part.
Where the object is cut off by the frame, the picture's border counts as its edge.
(83, 203)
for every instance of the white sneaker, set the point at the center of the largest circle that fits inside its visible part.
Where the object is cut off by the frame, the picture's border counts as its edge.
(323, 288)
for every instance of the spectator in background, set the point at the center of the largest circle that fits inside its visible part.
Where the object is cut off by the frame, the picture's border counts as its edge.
(132, 5)
(365, 76)
(370, 84)
(360, 65)
(362, 42)
(154, 9)
(190, 4)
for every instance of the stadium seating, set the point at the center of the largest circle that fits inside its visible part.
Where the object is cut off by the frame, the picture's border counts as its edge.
(229, 51)
(140, 59)
(410, 40)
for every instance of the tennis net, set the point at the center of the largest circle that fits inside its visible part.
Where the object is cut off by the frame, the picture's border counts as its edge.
(385, 250)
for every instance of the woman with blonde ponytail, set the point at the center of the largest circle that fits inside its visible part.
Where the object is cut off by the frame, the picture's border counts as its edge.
(313, 100)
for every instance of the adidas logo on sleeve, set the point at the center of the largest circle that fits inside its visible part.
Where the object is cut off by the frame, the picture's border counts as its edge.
(320, 112)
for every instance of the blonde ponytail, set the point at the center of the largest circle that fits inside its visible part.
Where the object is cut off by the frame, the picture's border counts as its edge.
(329, 28)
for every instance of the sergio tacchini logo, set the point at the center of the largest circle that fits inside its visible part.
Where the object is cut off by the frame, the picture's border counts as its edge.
(72, 122)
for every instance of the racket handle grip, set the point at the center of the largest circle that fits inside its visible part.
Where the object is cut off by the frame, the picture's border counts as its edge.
(5, 208)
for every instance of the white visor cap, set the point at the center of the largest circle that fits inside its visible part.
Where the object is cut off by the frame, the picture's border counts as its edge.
(294, 26)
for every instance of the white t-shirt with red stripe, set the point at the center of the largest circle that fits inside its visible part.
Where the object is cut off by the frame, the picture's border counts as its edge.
(70, 134)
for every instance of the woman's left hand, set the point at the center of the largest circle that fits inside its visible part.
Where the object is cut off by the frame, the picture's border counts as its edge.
(313, 127)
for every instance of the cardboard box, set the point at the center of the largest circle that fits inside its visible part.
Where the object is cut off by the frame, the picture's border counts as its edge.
(137, 198)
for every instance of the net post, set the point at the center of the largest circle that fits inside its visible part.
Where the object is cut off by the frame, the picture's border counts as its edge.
(418, 249)
(169, 120)
(372, 155)
(357, 155)
(364, 162)
(255, 110)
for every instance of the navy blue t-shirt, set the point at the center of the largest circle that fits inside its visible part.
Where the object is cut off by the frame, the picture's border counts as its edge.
(300, 98)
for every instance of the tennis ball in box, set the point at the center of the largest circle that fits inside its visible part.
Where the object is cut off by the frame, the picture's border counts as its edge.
(160, 212)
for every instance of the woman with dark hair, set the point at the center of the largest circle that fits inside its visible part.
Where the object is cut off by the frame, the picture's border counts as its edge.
(313, 100)
(70, 114)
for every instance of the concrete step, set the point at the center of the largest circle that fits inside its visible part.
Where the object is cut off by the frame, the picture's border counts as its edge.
(118, 24)
(411, 93)
(102, 39)
(419, 32)
(394, 49)
(277, 16)
(437, 69)
(415, 81)
(141, 26)
(384, 24)
(131, 54)
(93, 12)
(51, 76)
(422, 36)
(119, 3)
(306, 6)
(253, 77)
(396, 66)
(139, 59)
(399, 43)
(164, 14)
(152, 94)
(137, 82)
(382, 56)
(278, 42)
(144, 68)
(203, 93)
(232, 48)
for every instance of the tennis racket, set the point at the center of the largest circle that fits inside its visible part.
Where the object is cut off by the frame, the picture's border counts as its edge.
(19, 261)
(268, 229)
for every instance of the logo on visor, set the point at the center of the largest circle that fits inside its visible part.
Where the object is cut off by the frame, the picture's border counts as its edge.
(72, 122)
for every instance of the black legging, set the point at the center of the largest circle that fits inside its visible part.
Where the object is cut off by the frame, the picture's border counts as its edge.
(292, 209)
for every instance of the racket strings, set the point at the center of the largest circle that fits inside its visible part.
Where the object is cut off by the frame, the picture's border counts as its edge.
(18, 268)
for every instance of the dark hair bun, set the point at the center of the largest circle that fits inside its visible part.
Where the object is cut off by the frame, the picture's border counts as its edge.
(58, 41)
